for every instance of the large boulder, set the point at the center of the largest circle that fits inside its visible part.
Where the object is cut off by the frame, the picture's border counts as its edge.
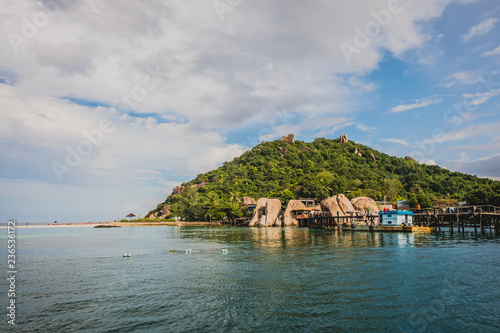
(343, 139)
(362, 204)
(177, 190)
(344, 204)
(372, 158)
(273, 209)
(288, 219)
(338, 203)
(162, 213)
(290, 138)
(260, 210)
(266, 213)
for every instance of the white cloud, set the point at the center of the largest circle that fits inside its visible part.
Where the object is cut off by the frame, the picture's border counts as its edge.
(419, 104)
(463, 77)
(394, 140)
(480, 29)
(139, 153)
(365, 128)
(492, 52)
(188, 77)
(481, 98)
(473, 130)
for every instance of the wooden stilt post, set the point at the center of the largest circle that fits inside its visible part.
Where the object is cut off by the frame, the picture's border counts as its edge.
(451, 223)
(481, 223)
(475, 222)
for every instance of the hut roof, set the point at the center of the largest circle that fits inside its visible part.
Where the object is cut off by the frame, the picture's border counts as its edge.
(131, 215)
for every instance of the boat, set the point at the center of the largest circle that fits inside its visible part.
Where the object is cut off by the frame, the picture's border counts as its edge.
(422, 229)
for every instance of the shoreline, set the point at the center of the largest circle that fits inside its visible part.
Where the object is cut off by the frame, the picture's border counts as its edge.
(114, 224)
(152, 224)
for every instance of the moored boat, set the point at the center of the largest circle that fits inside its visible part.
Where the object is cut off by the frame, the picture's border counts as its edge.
(422, 229)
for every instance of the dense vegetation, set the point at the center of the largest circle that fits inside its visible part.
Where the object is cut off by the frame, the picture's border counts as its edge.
(321, 169)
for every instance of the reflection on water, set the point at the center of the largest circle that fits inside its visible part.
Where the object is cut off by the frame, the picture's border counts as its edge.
(273, 238)
(271, 279)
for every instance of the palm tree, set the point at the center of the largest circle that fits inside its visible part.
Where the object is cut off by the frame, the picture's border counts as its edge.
(235, 198)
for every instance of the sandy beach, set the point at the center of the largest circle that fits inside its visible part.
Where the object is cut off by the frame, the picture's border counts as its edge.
(68, 225)
(113, 224)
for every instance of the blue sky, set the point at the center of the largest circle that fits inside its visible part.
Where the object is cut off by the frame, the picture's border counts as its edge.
(105, 107)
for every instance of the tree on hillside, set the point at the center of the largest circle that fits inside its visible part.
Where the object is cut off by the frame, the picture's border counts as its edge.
(320, 169)
(392, 188)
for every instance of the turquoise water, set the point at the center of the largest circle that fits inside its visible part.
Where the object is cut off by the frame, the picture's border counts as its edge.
(270, 280)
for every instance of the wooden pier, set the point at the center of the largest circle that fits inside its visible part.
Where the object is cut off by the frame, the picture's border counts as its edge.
(476, 219)
(483, 219)
(324, 220)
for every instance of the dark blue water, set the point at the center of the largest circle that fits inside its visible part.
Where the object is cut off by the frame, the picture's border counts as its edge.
(271, 280)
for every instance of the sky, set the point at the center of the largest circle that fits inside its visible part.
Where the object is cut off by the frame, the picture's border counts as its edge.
(105, 106)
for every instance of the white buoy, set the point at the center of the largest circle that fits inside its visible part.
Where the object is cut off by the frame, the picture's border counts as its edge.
(188, 251)
(127, 255)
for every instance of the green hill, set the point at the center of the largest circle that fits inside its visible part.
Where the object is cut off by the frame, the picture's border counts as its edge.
(321, 169)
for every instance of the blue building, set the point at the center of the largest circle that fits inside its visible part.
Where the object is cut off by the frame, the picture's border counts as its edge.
(396, 218)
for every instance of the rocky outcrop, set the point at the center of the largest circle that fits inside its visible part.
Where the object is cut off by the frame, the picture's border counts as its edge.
(409, 158)
(338, 203)
(288, 219)
(282, 151)
(343, 139)
(372, 158)
(279, 221)
(357, 152)
(177, 190)
(273, 210)
(247, 201)
(344, 204)
(306, 149)
(362, 204)
(290, 138)
(200, 185)
(162, 213)
(266, 213)
(259, 212)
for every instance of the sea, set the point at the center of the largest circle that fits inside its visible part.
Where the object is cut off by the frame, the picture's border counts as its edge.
(234, 279)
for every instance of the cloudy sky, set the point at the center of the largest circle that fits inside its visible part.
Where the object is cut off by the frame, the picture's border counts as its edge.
(106, 105)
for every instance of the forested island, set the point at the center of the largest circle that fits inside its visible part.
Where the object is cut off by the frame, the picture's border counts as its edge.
(288, 169)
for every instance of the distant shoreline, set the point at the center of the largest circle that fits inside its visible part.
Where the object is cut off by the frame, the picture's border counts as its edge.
(114, 224)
